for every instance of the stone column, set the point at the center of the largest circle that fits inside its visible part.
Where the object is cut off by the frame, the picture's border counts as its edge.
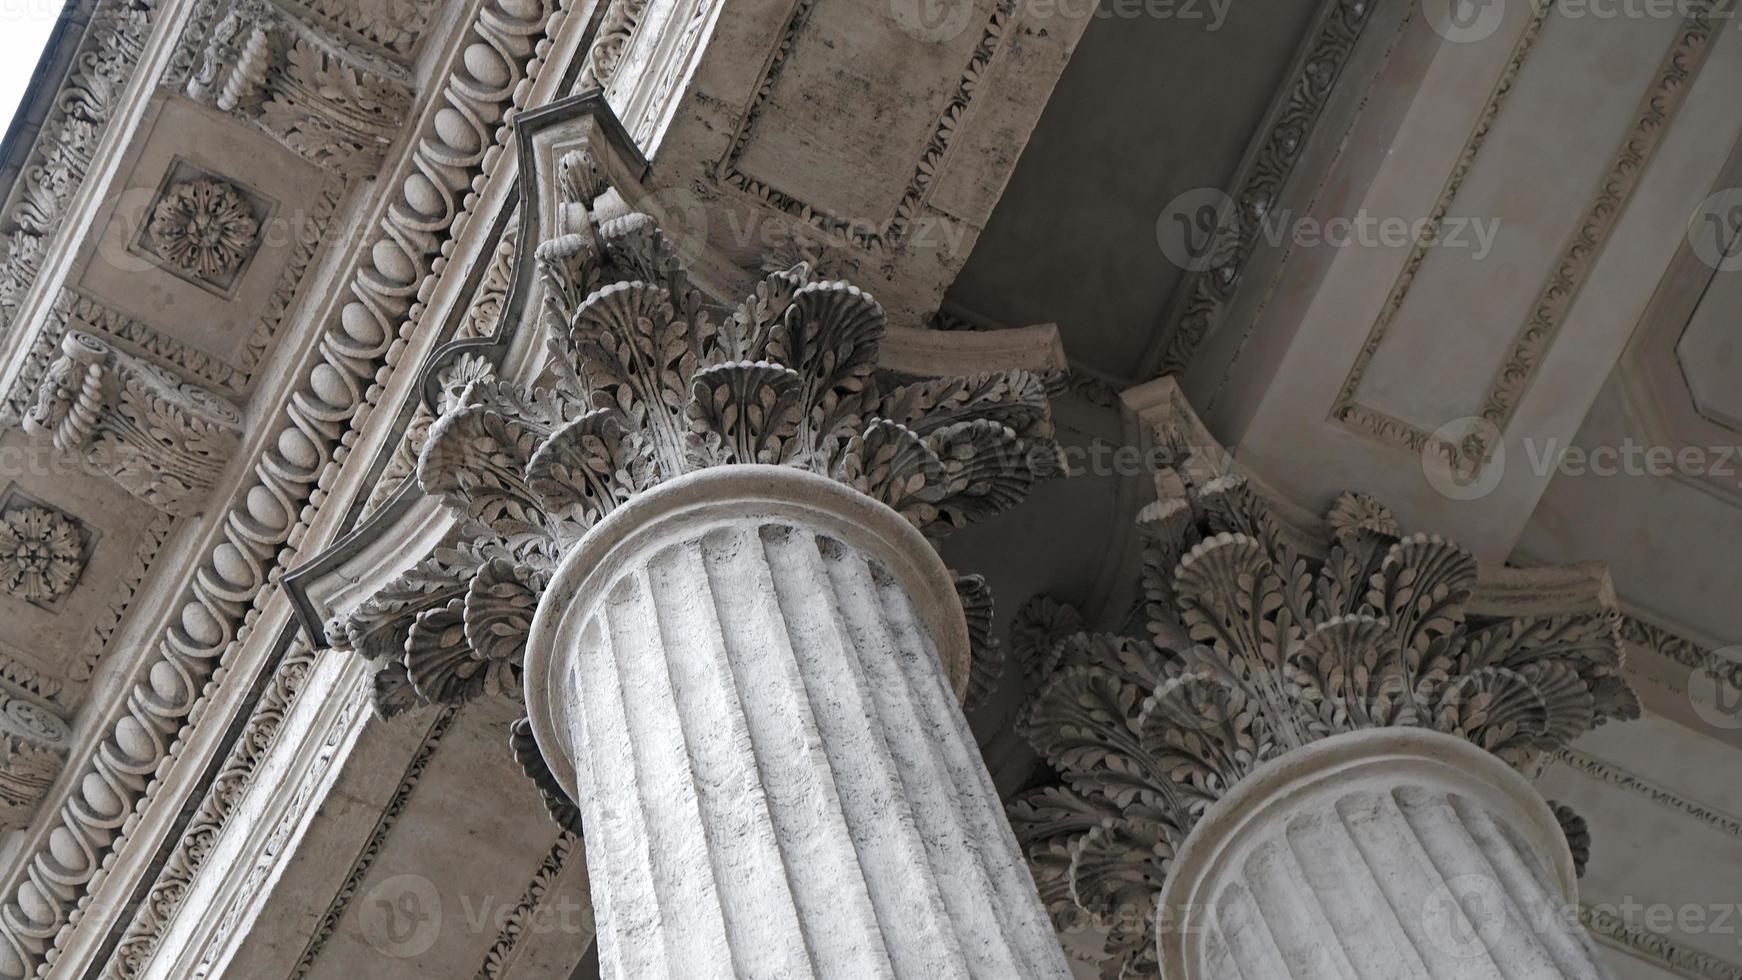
(745, 670)
(698, 548)
(1314, 766)
(1399, 853)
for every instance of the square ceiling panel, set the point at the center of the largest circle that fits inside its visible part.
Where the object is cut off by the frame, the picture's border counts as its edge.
(208, 235)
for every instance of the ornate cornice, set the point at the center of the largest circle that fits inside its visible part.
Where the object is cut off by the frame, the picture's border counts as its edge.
(144, 931)
(384, 824)
(520, 920)
(1258, 186)
(1657, 948)
(37, 208)
(460, 139)
(271, 850)
(1572, 266)
(1620, 778)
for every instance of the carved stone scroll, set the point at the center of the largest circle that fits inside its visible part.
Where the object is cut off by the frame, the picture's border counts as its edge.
(163, 439)
(334, 103)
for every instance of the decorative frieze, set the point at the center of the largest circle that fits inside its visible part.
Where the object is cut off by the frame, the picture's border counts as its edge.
(1258, 647)
(67, 142)
(259, 734)
(1258, 187)
(164, 440)
(335, 104)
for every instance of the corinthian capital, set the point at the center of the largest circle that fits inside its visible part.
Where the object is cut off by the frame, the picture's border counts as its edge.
(649, 379)
(1264, 637)
(163, 439)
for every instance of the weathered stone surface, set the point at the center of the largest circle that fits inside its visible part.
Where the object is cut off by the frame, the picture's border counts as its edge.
(1383, 853)
(744, 676)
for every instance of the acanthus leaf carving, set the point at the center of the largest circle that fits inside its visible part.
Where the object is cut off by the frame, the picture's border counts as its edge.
(336, 105)
(163, 439)
(648, 379)
(1263, 649)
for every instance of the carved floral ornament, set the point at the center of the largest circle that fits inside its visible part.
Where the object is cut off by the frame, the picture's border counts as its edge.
(1255, 649)
(337, 104)
(164, 440)
(203, 227)
(648, 379)
(41, 553)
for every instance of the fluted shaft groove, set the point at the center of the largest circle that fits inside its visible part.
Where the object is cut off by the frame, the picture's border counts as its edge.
(777, 779)
(1413, 882)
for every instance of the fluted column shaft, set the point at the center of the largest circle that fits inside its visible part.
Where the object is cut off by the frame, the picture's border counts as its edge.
(1393, 854)
(773, 770)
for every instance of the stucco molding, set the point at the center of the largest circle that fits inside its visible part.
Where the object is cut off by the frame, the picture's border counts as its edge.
(461, 133)
(1573, 264)
(1258, 186)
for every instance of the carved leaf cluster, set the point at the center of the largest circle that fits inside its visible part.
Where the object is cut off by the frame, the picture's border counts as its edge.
(648, 379)
(1257, 648)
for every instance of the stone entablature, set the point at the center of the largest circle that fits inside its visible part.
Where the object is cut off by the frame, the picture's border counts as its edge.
(315, 399)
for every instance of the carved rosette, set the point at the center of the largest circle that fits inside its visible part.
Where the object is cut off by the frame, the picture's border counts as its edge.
(203, 227)
(41, 553)
(163, 439)
(1259, 645)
